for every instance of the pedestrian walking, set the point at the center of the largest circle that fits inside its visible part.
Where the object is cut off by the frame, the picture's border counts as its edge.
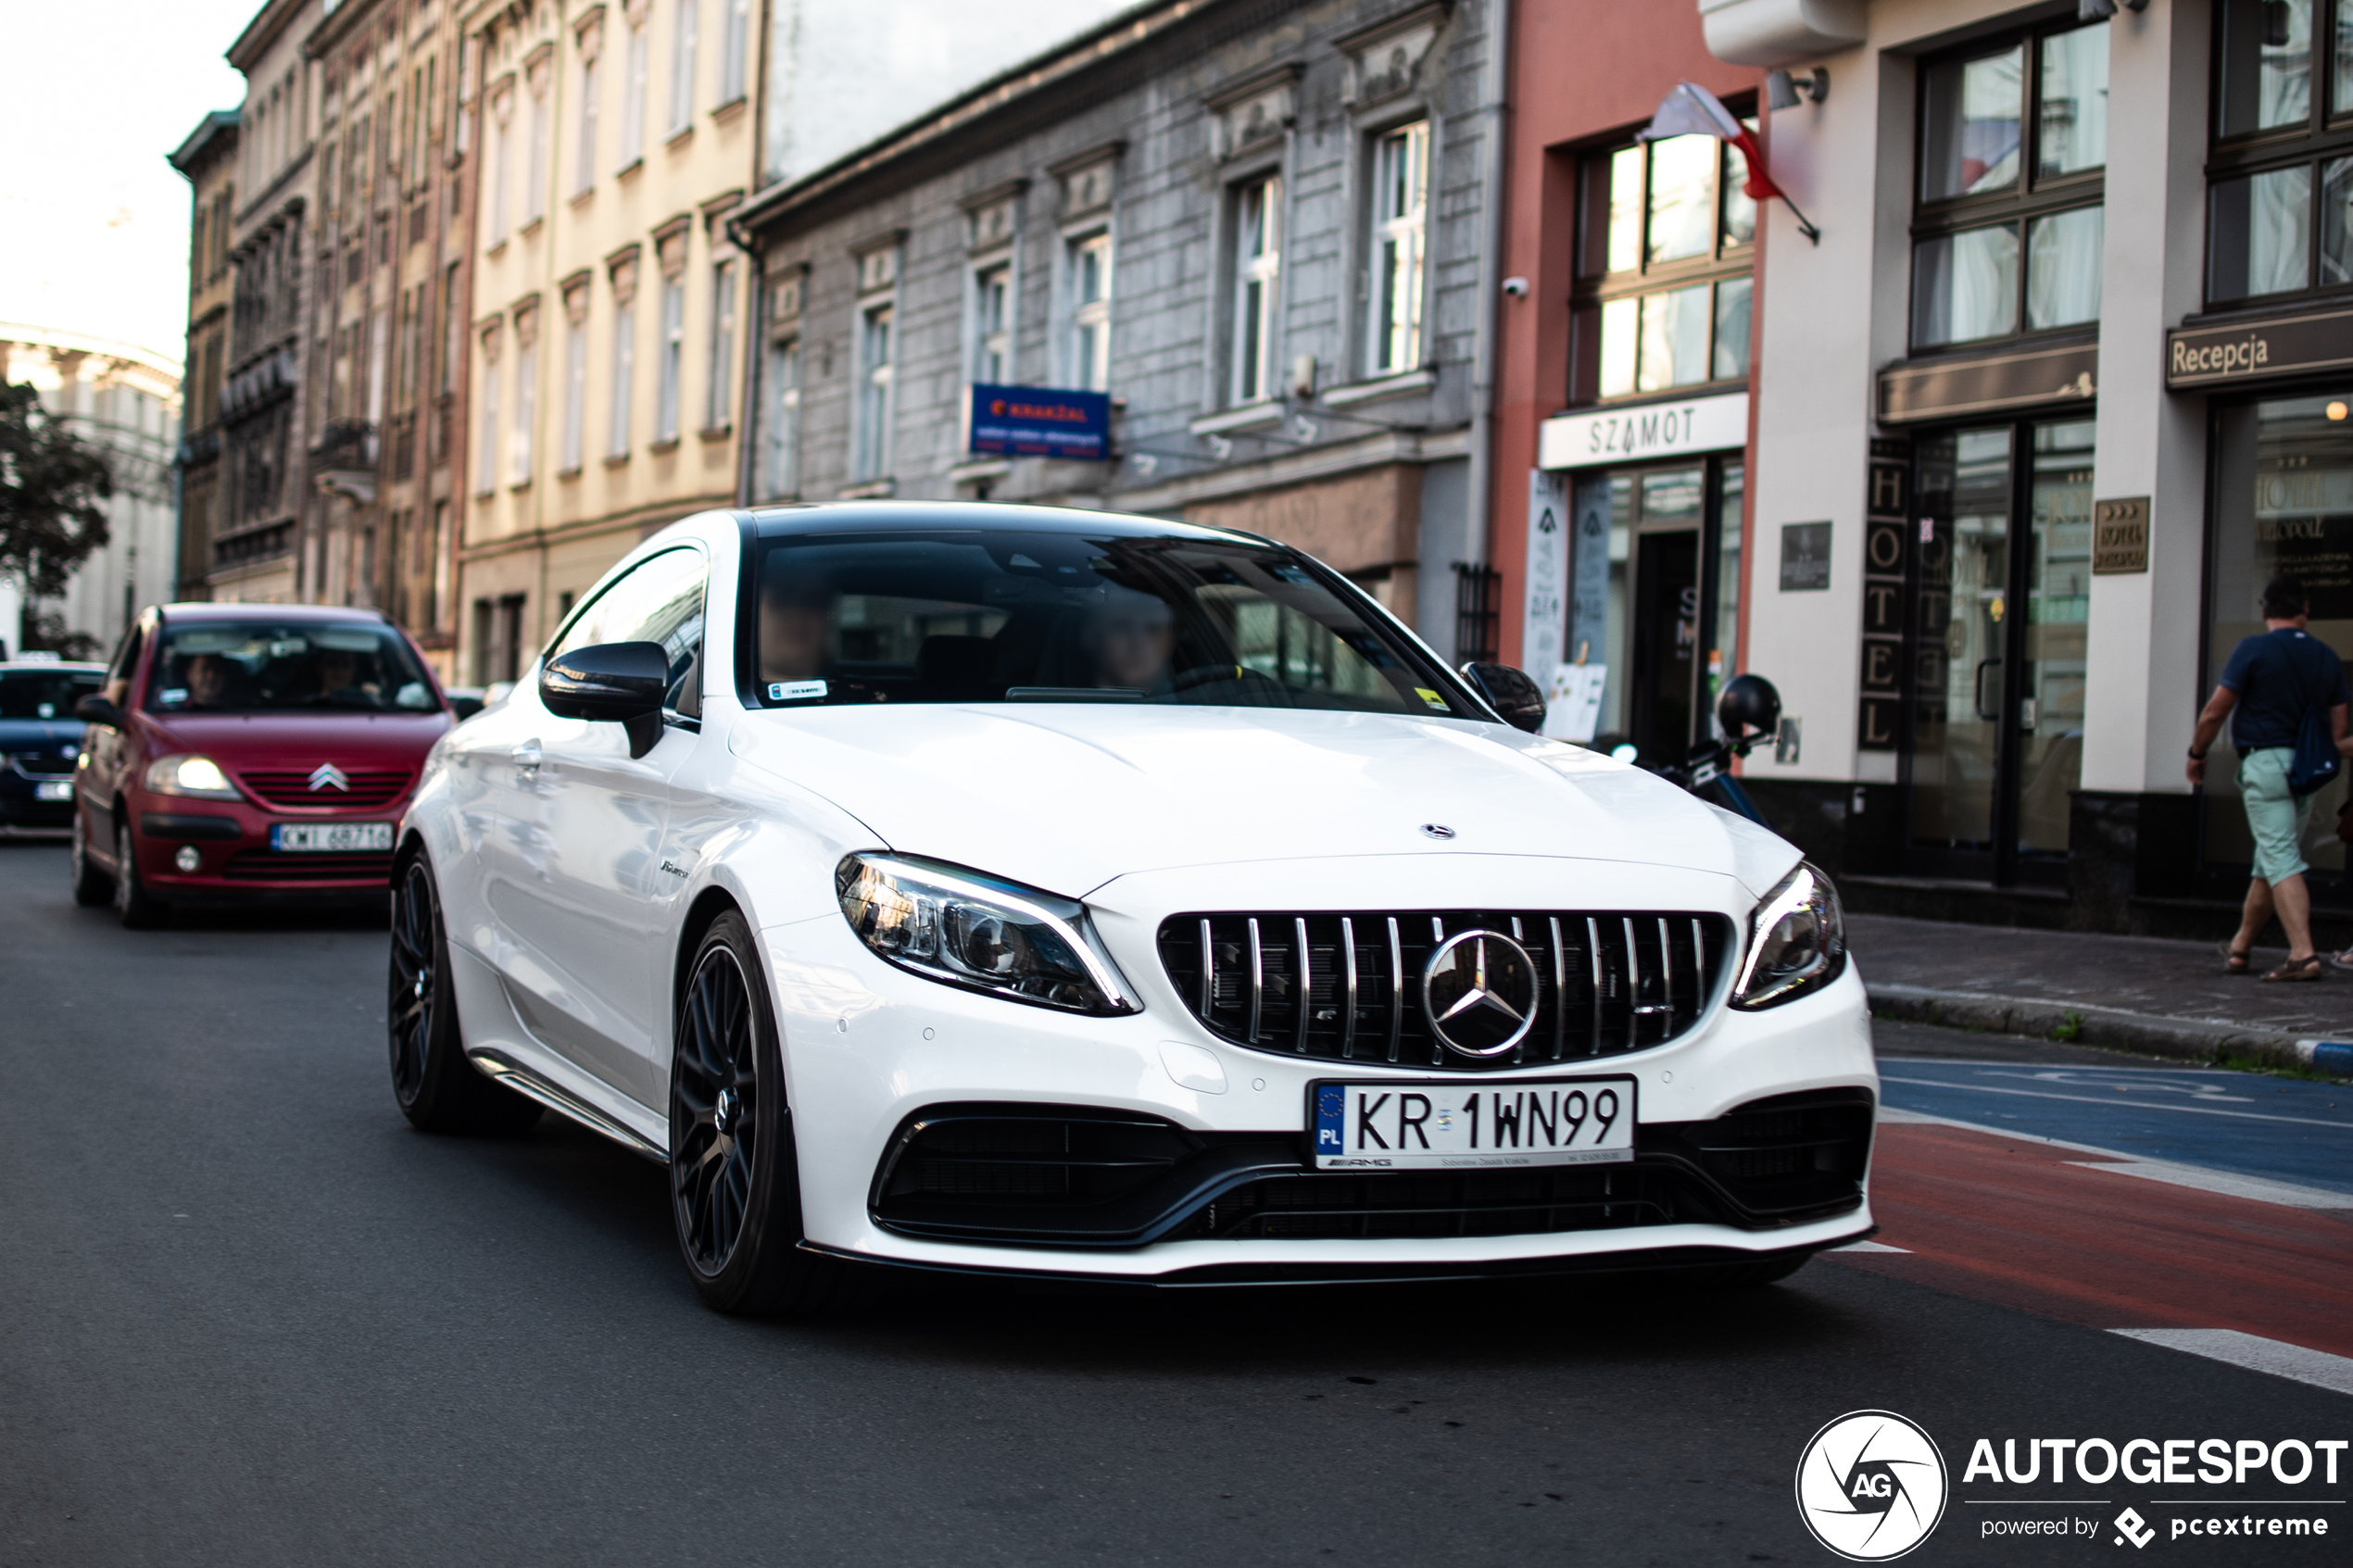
(2284, 696)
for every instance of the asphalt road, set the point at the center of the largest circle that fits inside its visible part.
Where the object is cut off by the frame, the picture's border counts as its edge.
(246, 1315)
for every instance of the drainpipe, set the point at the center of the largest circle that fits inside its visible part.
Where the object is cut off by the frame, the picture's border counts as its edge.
(755, 352)
(1478, 525)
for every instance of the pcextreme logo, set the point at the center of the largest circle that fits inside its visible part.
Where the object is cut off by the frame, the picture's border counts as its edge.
(1871, 1485)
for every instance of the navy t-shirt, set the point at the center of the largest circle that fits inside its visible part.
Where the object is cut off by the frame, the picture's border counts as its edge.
(2278, 675)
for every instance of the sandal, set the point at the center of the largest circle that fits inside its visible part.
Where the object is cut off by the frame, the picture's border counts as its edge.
(2342, 960)
(2234, 961)
(2297, 969)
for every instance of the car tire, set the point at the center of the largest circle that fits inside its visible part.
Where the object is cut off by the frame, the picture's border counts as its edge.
(133, 905)
(734, 1186)
(436, 1087)
(91, 887)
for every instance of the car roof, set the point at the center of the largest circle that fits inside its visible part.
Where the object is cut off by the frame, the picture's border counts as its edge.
(996, 516)
(207, 609)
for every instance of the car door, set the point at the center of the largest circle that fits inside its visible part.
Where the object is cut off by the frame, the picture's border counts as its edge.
(573, 859)
(104, 747)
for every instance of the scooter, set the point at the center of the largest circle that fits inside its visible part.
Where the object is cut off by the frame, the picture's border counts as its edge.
(1749, 712)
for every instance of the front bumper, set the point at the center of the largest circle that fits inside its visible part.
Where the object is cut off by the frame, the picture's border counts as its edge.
(869, 1047)
(23, 814)
(234, 860)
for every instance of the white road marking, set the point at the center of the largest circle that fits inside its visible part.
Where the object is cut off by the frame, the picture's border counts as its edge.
(2136, 1105)
(2229, 1185)
(2281, 1360)
(1869, 1247)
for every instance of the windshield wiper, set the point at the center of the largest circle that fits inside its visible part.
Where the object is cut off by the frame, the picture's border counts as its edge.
(1073, 694)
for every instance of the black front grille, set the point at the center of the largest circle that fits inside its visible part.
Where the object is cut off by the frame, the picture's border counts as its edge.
(36, 765)
(1347, 986)
(261, 865)
(1401, 1205)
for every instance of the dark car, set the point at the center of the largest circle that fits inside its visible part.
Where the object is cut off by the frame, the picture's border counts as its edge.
(40, 743)
(246, 753)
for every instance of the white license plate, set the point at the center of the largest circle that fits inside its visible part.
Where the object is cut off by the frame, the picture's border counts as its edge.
(330, 838)
(1459, 1126)
(59, 789)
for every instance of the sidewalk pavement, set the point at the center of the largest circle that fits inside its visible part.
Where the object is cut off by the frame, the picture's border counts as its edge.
(2134, 993)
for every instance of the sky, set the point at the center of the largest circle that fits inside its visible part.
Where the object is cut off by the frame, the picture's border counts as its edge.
(97, 222)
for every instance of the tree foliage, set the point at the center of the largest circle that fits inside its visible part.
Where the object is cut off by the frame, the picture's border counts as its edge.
(53, 490)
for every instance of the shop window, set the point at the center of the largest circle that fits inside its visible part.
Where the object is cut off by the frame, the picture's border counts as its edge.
(1663, 286)
(2007, 231)
(2282, 169)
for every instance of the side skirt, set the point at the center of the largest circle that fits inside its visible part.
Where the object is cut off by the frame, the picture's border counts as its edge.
(498, 1064)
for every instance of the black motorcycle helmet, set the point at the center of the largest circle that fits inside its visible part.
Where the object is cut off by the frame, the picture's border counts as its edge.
(1749, 707)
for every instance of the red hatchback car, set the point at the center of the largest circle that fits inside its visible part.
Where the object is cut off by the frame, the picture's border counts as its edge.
(244, 753)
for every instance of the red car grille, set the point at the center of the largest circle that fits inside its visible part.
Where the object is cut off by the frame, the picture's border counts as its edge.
(368, 787)
(260, 865)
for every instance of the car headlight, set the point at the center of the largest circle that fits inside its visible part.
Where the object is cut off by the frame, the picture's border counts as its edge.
(190, 775)
(1796, 941)
(962, 928)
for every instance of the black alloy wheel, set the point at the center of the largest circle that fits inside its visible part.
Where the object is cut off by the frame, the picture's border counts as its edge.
(133, 905)
(439, 1089)
(733, 1174)
(91, 887)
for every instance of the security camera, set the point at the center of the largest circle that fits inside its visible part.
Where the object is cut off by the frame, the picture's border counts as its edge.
(1515, 287)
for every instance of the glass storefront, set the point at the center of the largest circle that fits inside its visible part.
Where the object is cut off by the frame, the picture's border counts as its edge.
(1670, 628)
(2283, 504)
(1999, 616)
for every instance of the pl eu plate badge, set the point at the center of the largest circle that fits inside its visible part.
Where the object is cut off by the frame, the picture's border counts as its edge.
(1331, 1119)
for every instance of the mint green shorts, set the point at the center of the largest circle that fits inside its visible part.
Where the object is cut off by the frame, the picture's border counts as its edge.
(2275, 817)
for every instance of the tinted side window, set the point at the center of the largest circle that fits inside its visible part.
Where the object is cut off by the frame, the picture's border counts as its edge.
(660, 600)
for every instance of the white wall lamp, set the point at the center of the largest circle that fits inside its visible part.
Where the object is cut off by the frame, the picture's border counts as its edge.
(1786, 90)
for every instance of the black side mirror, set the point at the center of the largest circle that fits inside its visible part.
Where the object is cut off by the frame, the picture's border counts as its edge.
(1509, 692)
(98, 710)
(615, 682)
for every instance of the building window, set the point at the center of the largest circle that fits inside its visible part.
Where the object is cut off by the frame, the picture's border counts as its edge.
(453, 352)
(1663, 268)
(526, 397)
(1257, 270)
(501, 137)
(1090, 277)
(780, 466)
(625, 361)
(2013, 144)
(993, 325)
(2283, 142)
(575, 389)
(673, 347)
(632, 97)
(585, 166)
(535, 196)
(486, 440)
(682, 68)
(735, 49)
(871, 458)
(1400, 176)
(718, 404)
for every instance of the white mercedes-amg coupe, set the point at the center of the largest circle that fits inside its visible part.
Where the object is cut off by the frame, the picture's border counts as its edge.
(1011, 890)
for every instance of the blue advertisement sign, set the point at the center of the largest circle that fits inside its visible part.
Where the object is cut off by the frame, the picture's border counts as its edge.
(1040, 421)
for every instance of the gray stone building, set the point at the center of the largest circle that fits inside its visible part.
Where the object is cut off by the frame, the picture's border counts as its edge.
(1259, 226)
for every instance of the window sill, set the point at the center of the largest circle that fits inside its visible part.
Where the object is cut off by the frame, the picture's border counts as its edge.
(1249, 416)
(531, 226)
(732, 109)
(519, 486)
(581, 198)
(663, 447)
(679, 137)
(872, 490)
(489, 495)
(970, 473)
(1385, 386)
(495, 248)
(626, 170)
(715, 432)
(616, 460)
(571, 474)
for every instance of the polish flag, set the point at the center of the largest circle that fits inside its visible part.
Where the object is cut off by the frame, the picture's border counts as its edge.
(1692, 110)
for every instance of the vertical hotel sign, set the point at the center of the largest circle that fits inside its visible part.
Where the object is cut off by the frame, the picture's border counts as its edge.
(1886, 516)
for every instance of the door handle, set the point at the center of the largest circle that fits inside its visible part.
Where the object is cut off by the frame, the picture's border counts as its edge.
(1988, 712)
(526, 757)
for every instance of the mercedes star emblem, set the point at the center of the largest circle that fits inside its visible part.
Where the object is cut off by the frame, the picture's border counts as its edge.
(1480, 988)
(326, 775)
(1436, 830)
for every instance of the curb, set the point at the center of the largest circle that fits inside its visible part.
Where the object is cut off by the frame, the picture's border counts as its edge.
(2180, 1039)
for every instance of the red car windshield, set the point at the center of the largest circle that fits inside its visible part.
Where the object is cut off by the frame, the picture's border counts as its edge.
(270, 666)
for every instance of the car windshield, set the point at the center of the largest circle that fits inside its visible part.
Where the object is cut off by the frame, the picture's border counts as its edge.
(264, 666)
(44, 694)
(974, 617)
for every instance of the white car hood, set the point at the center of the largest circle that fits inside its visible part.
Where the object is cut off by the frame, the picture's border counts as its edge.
(1067, 797)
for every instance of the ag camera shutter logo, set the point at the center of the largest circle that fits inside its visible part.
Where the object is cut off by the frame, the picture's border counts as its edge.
(1871, 1485)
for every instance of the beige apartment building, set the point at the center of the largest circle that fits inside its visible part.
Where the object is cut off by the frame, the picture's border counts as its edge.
(609, 300)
